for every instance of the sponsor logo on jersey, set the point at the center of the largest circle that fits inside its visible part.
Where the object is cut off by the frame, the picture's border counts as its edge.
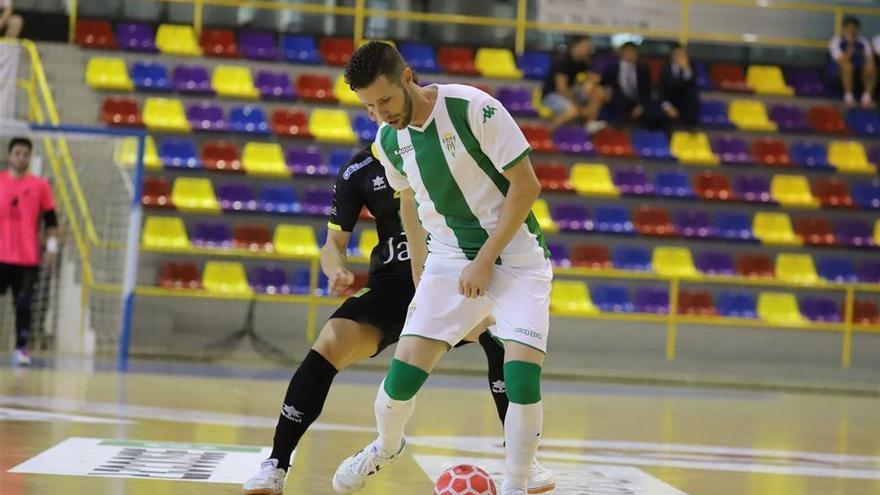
(404, 150)
(528, 333)
(379, 183)
(355, 167)
(488, 112)
(449, 142)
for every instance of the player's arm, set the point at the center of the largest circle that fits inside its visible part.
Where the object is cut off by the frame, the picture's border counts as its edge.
(50, 222)
(416, 235)
(333, 260)
(5, 15)
(347, 204)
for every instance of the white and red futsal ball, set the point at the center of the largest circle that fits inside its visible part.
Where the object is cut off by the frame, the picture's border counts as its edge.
(465, 479)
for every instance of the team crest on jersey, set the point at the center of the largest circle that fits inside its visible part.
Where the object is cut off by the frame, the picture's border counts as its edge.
(379, 183)
(449, 142)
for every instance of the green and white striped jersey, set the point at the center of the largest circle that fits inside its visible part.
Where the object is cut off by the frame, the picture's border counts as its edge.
(454, 164)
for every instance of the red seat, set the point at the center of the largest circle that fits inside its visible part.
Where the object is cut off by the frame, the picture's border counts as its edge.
(252, 238)
(219, 43)
(728, 77)
(456, 60)
(697, 303)
(336, 51)
(95, 34)
(832, 192)
(755, 266)
(613, 142)
(655, 67)
(771, 152)
(179, 276)
(591, 256)
(315, 87)
(221, 155)
(157, 193)
(650, 220)
(121, 112)
(865, 312)
(815, 231)
(553, 176)
(713, 185)
(827, 119)
(290, 122)
(538, 137)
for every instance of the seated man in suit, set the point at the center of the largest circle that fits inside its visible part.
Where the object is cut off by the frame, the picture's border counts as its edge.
(679, 95)
(629, 83)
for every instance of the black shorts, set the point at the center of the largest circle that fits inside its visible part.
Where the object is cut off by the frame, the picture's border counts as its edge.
(383, 303)
(19, 278)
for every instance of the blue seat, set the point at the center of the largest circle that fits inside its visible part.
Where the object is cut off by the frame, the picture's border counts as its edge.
(559, 254)
(300, 49)
(279, 199)
(150, 76)
(675, 184)
(702, 74)
(338, 158)
(534, 65)
(809, 155)
(299, 282)
(734, 226)
(867, 194)
(840, 270)
(179, 153)
(249, 119)
(713, 113)
(365, 128)
(863, 122)
(614, 220)
(631, 258)
(735, 304)
(421, 57)
(652, 145)
(611, 298)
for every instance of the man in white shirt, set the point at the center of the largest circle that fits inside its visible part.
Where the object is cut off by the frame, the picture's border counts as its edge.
(10, 24)
(854, 57)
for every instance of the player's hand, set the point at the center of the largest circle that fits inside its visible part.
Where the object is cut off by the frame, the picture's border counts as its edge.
(340, 280)
(475, 277)
(671, 111)
(637, 112)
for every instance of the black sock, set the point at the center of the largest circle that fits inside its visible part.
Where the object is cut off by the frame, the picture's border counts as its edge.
(495, 359)
(303, 403)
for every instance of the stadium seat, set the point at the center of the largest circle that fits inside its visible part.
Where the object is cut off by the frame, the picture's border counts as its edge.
(869, 272)
(771, 152)
(673, 184)
(865, 312)
(226, 277)
(631, 258)
(296, 240)
(695, 223)
(165, 115)
(853, 232)
(573, 140)
(121, 112)
(780, 308)
(633, 181)
(164, 233)
(767, 80)
(713, 185)
(698, 303)
(572, 298)
(796, 268)
(692, 148)
(305, 161)
(728, 77)
(95, 34)
(126, 153)
(653, 221)
(820, 309)
(670, 261)
(545, 220)
(732, 150)
(497, 63)
(814, 231)
(219, 43)
(108, 73)
(236, 196)
(593, 179)
(538, 137)
(317, 201)
(613, 220)
(827, 120)
(752, 188)
(652, 145)
(279, 199)
(336, 51)
(558, 254)
(221, 156)
(265, 159)
(150, 76)
(736, 304)
(572, 217)
(248, 119)
(258, 45)
(789, 118)
(234, 81)
(290, 122)
(867, 195)
(863, 122)
(651, 300)
(136, 37)
(179, 276)
(534, 65)
(613, 142)
(837, 270)
(517, 101)
(593, 256)
(252, 237)
(612, 299)
(849, 156)
(368, 240)
(269, 280)
(331, 126)
(456, 60)
(211, 235)
(714, 263)
(194, 194)
(807, 81)
(299, 49)
(734, 226)
(192, 79)
(774, 228)
(315, 87)
(420, 57)
(206, 116)
(750, 115)
(792, 190)
(343, 93)
(809, 155)
(702, 75)
(173, 39)
(365, 128)
(179, 153)
(553, 176)
(274, 85)
(713, 113)
(157, 193)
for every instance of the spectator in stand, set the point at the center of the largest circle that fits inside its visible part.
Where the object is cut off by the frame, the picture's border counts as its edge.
(853, 55)
(629, 83)
(10, 24)
(679, 94)
(572, 89)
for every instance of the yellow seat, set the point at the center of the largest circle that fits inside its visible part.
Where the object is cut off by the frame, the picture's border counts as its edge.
(877, 233)
(774, 228)
(226, 277)
(593, 179)
(792, 190)
(538, 103)
(108, 73)
(331, 125)
(164, 233)
(796, 268)
(264, 159)
(779, 307)
(542, 213)
(767, 80)
(693, 148)
(296, 240)
(234, 81)
(571, 297)
(497, 62)
(126, 153)
(175, 39)
(165, 115)
(750, 115)
(671, 261)
(368, 240)
(194, 194)
(342, 91)
(850, 156)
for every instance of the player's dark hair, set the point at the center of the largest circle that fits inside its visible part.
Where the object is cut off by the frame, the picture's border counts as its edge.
(851, 20)
(577, 38)
(20, 141)
(373, 59)
(629, 44)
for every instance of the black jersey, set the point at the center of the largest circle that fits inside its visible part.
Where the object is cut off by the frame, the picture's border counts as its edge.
(362, 182)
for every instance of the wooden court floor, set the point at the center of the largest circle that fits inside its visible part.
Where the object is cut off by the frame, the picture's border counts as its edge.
(156, 432)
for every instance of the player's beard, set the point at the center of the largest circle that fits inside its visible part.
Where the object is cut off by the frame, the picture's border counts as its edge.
(406, 118)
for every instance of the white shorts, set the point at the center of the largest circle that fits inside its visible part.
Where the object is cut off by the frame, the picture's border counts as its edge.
(518, 298)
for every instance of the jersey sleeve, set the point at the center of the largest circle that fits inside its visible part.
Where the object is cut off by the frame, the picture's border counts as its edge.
(395, 178)
(47, 200)
(499, 136)
(347, 203)
(834, 47)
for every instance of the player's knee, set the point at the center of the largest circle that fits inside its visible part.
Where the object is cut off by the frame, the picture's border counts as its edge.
(523, 380)
(404, 380)
(845, 67)
(341, 346)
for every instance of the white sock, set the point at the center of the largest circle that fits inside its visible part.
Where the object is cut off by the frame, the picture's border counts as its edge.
(522, 433)
(391, 418)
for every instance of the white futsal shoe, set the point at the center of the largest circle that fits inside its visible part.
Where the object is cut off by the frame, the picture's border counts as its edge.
(268, 481)
(351, 476)
(541, 480)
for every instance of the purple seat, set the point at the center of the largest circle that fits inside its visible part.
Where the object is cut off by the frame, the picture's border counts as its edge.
(274, 85)
(258, 45)
(808, 154)
(211, 235)
(714, 263)
(874, 154)
(574, 140)
(806, 82)
(269, 280)
(752, 188)
(517, 101)
(694, 223)
(633, 181)
(192, 79)
(136, 37)
(236, 197)
(853, 233)
(206, 117)
(306, 161)
(559, 254)
(869, 272)
(317, 202)
(651, 300)
(819, 309)
(789, 118)
(732, 150)
(714, 114)
(572, 217)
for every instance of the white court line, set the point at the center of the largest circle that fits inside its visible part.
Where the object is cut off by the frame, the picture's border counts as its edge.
(10, 414)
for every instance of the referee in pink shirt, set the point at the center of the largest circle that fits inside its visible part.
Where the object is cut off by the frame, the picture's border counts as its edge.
(25, 199)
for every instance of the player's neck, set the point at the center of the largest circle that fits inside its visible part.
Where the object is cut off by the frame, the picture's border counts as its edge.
(423, 104)
(16, 174)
